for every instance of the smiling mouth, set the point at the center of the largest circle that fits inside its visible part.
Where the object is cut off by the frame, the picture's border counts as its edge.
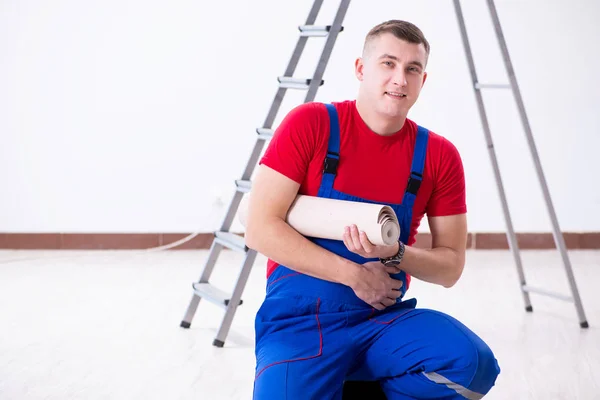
(396, 95)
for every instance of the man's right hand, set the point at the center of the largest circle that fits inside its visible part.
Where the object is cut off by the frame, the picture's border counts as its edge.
(375, 286)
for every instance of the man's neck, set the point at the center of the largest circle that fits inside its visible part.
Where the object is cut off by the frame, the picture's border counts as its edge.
(381, 125)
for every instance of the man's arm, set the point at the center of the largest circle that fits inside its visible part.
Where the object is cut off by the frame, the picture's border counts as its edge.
(446, 209)
(444, 262)
(268, 233)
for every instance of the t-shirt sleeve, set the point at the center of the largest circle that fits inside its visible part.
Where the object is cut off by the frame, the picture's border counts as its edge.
(294, 142)
(449, 193)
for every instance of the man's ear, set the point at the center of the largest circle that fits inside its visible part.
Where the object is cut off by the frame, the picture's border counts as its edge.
(358, 68)
(424, 78)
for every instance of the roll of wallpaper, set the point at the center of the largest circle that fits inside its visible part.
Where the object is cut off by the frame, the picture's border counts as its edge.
(326, 218)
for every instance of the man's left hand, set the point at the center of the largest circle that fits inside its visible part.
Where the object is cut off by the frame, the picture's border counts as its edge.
(358, 242)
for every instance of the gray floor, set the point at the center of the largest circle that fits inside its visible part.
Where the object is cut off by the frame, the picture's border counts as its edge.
(105, 325)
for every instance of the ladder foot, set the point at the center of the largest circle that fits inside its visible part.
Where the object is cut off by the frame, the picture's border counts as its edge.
(584, 324)
(529, 308)
(218, 343)
(185, 324)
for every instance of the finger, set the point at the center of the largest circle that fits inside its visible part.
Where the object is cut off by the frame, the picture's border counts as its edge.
(378, 306)
(347, 240)
(394, 294)
(397, 284)
(388, 302)
(391, 270)
(366, 244)
(355, 238)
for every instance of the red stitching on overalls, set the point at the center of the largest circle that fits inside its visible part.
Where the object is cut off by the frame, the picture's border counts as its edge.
(304, 358)
(285, 276)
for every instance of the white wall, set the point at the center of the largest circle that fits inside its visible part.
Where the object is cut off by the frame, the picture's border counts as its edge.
(115, 115)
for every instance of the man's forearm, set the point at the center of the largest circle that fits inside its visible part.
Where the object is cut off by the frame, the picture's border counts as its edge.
(278, 241)
(440, 265)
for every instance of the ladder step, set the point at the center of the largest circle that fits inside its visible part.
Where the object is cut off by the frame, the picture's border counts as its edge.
(265, 133)
(231, 241)
(243, 185)
(492, 86)
(213, 294)
(295, 83)
(527, 288)
(315, 31)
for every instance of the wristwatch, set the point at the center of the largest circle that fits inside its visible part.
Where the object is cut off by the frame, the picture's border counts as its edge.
(396, 259)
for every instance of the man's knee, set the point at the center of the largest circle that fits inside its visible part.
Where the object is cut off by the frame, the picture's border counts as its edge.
(486, 369)
(469, 365)
(471, 372)
(475, 369)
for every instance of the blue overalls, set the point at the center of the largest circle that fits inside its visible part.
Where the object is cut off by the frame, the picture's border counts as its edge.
(312, 335)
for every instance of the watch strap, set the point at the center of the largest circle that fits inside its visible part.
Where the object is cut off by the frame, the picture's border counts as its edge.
(396, 257)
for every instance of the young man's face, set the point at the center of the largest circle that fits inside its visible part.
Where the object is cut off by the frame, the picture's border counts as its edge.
(392, 73)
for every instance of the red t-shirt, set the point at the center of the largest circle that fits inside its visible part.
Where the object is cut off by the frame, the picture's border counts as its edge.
(371, 166)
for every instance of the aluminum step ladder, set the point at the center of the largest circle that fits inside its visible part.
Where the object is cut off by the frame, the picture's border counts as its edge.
(512, 239)
(224, 238)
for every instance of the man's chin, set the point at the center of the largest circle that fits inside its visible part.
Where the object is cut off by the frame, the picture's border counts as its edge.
(393, 112)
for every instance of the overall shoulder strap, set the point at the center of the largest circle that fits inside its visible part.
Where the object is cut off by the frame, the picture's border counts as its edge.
(333, 153)
(416, 169)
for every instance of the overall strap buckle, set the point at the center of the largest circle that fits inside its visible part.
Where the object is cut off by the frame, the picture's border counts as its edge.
(331, 163)
(414, 183)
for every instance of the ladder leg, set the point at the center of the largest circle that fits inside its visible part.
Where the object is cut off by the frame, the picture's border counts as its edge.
(237, 197)
(223, 237)
(209, 266)
(289, 71)
(235, 299)
(558, 237)
(511, 236)
(327, 50)
(186, 322)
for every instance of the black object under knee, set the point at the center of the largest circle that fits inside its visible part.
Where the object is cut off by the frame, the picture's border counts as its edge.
(363, 390)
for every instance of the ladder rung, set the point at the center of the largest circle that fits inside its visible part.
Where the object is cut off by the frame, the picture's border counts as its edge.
(527, 288)
(295, 83)
(265, 133)
(313, 30)
(213, 294)
(243, 185)
(231, 241)
(492, 86)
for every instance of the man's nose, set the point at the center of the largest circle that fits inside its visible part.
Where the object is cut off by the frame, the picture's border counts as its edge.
(400, 77)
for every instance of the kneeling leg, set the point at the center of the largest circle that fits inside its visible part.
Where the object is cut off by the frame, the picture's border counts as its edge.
(426, 354)
(302, 353)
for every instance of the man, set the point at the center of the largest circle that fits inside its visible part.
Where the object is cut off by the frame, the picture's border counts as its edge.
(334, 310)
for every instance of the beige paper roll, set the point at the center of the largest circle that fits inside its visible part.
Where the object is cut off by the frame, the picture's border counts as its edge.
(326, 218)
